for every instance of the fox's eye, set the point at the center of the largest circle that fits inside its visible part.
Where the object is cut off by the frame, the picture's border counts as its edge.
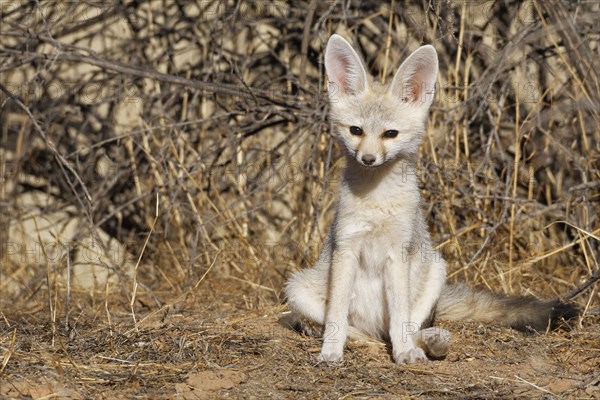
(392, 133)
(355, 130)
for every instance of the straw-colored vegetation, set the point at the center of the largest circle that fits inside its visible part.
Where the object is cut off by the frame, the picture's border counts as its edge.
(165, 165)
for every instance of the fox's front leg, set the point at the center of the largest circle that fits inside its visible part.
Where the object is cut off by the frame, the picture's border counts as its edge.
(341, 281)
(402, 328)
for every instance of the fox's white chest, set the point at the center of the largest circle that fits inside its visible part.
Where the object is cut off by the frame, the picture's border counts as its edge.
(375, 251)
(368, 301)
(376, 228)
(368, 304)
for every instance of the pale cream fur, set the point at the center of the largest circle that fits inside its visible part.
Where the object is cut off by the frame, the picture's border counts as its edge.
(377, 272)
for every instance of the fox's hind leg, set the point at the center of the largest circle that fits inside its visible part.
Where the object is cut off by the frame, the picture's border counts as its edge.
(293, 320)
(428, 290)
(306, 291)
(434, 341)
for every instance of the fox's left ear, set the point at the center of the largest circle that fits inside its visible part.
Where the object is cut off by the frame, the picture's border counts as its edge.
(415, 80)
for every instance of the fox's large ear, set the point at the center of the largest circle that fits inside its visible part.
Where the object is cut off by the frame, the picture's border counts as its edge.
(415, 80)
(344, 68)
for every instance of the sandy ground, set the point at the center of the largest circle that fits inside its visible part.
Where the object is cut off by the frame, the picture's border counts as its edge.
(210, 345)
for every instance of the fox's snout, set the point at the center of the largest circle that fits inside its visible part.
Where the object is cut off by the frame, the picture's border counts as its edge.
(368, 159)
(370, 152)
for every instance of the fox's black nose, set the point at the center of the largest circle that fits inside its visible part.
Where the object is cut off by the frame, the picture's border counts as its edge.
(368, 159)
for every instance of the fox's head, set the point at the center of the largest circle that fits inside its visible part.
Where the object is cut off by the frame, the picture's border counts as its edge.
(375, 122)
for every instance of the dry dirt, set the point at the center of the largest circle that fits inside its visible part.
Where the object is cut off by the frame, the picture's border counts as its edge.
(210, 345)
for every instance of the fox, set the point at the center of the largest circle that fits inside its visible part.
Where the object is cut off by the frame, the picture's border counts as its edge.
(378, 274)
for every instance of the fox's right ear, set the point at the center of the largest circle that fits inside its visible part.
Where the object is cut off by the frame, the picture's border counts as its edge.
(344, 68)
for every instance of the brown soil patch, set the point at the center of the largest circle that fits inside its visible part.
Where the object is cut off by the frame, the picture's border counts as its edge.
(192, 351)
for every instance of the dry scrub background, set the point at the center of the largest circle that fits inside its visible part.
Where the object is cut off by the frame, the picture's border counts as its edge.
(165, 165)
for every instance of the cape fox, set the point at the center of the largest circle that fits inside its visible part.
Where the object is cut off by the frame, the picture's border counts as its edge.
(378, 274)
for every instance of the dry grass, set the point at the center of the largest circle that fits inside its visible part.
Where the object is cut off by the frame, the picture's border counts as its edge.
(195, 135)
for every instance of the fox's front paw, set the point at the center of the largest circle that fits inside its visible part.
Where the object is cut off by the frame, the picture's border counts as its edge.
(330, 357)
(332, 351)
(410, 356)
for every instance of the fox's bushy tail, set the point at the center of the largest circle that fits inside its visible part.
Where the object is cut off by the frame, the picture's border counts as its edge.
(524, 313)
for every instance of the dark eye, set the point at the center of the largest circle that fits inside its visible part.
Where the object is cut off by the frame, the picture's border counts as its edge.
(355, 130)
(392, 133)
